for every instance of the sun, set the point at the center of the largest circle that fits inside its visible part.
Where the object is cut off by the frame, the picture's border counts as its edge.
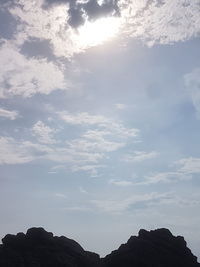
(99, 31)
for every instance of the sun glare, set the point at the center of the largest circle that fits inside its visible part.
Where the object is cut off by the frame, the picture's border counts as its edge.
(94, 33)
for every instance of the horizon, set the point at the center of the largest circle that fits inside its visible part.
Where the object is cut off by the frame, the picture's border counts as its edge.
(99, 114)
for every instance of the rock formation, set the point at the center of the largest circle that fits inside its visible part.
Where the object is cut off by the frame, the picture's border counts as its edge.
(158, 248)
(38, 248)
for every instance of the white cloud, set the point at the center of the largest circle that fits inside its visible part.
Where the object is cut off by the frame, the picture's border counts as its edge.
(185, 169)
(120, 106)
(189, 165)
(192, 82)
(148, 21)
(9, 114)
(26, 77)
(43, 133)
(84, 118)
(140, 156)
(16, 152)
(50, 24)
(119, 206)
(103, 136)
(92, 169)
(13, 152)
(164, 177)
(102, 145)
(143, 201)
(98, 139)
(145, 19)
(120, 182)
(110, 126)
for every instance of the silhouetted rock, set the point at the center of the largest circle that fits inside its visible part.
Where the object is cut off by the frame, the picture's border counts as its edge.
(158, 248)
(39, 248)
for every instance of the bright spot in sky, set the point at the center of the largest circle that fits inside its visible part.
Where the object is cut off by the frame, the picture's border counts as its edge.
(99, 31)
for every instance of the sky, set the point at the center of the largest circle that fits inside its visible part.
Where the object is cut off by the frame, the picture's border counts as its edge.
(100, 119)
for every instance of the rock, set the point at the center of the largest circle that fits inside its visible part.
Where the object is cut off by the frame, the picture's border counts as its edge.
(158, 248)
(39, 248)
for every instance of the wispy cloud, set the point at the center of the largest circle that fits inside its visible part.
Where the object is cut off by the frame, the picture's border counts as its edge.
(110, 126)
(119, 206)
(185, 169)
(92, 169)
(189, 165)
(139, 156)
(13, 152)
(43, 133)
(120, 106)
(120, 182)
(143, 201)
(83, 118)
(9, 114)
(97, 139)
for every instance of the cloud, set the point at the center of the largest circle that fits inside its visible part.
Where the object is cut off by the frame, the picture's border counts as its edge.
(147, 20)
(185, 169)
(43, 133)
(103, 136)
(97, 139)
(119, 206)
(101, 144)
(13, 152)
(83, 118)
(109, 125)
(91, 169)
(140, 156)
(19, 151)
(8, 114)
(164, 177)
(120, 106)
(120, 182)
(80, 11)
(144, 201)
(42, 24)
(189, 165)
(39, 76)
(192, 82)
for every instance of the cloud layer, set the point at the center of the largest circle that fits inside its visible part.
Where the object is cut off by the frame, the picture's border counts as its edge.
(98, 136)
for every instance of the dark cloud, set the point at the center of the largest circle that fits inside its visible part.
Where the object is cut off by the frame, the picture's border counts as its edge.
(92, 10)
(76, 17)
(35, 47)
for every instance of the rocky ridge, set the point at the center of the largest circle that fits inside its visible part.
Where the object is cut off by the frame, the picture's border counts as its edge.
(39, 248)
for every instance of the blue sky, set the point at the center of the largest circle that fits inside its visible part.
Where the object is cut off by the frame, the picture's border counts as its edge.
(99, 113)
